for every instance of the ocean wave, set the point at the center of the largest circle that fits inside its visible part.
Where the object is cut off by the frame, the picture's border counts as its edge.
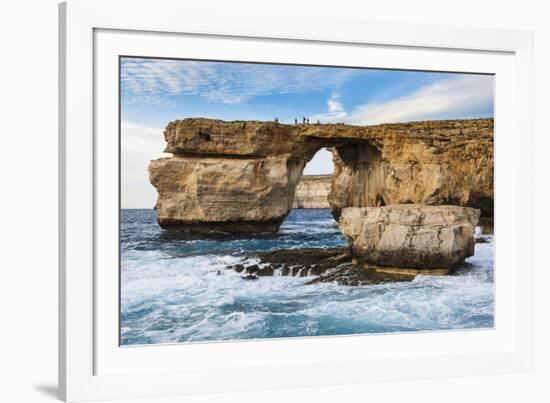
(172, 294)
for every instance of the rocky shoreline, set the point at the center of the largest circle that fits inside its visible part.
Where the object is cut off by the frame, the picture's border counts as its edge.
(327, 265)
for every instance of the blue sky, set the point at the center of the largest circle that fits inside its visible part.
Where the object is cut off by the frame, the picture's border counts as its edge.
(156, 91)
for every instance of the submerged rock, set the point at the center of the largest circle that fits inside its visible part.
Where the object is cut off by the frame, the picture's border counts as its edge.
(266, 271)
(252, 269)
(410, 236)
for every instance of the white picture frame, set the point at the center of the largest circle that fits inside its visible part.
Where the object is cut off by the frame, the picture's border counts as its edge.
(93, 33)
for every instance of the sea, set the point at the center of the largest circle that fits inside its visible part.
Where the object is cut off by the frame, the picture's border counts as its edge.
(175, 289)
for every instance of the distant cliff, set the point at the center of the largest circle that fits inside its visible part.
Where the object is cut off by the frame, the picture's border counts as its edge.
(312, 192)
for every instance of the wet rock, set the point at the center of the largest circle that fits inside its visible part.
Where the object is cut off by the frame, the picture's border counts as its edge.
(252, 269)
(286, 271)
(331, 265)
(238, 268)
(294, 271)
(355, 275)
(481, 239)
(305, 258)
(294, 262)
(266, 271)
(487, 225)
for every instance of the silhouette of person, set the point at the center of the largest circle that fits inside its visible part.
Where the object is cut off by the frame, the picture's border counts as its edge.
(304, 120)
(295, 121)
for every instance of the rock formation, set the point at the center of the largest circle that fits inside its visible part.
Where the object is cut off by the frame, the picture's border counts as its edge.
(409, 235)
(312, 191)
(241, 176)
(325, 265)
(233, 195)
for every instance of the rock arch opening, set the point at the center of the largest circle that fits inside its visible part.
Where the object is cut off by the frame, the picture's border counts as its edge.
(314, 185)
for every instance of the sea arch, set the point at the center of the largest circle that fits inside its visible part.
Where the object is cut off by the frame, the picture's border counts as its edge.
(241, 176)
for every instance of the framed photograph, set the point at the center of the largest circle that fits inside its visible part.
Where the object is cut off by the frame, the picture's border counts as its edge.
(253, 201)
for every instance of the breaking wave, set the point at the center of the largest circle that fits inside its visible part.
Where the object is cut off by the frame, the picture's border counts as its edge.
(175, 289)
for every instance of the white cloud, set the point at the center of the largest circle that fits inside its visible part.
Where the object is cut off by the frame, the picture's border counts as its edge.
(139, 144)
(334, 105)
(458, 97)
(335, 111)
(155, 82)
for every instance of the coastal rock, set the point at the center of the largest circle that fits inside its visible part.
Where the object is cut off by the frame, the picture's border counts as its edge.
(241, 176)
(325, 265)
(312, 192)
(410, 236)
(300, 262)
(208, 195)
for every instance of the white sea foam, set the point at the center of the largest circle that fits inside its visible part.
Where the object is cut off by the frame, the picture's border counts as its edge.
(170, 298)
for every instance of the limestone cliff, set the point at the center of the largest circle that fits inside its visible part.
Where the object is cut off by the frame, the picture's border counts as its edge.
(312, 191)
(241, 176)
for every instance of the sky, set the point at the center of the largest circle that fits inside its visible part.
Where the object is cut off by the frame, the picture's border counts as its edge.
(157, 91)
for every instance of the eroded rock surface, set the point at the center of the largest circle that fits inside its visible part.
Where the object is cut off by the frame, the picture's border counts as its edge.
(300, 262)
(241, 177)
(325, 265)
(205, 194)
(410, 236)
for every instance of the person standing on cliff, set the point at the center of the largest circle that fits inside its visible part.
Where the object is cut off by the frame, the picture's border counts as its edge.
(304, 120)
(295, 121)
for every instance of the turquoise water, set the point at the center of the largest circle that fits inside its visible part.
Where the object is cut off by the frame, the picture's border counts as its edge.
(175, 289)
